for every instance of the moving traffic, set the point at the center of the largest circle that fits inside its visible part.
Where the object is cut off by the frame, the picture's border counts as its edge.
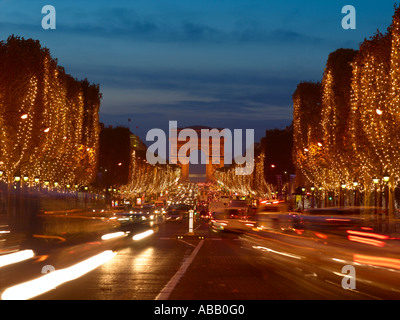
(237, 249)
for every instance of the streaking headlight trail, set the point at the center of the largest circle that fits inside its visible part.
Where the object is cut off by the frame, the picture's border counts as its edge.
(33, 288)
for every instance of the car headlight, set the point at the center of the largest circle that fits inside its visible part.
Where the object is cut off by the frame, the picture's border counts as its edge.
(143, 218)
(151, 217)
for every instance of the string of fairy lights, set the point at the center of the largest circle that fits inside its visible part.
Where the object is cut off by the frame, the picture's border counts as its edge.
(364, 154)
(149, 179)
(49, 127)
(253, 184)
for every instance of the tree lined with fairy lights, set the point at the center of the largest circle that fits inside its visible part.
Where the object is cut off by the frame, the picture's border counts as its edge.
(307, 154)
(360, 117)
(253, 184)
(147, 178)
(49, 120)
(336, 105)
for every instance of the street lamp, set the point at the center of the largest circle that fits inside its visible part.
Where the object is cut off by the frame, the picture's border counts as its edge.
(312, 197)
(302, 196)
(386, 179)
(342, 192)
(376, 181)
(355, 184)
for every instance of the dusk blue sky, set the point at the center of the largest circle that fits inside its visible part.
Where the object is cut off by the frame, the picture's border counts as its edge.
(220, 63)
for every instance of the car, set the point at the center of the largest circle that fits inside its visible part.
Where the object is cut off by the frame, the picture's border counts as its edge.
(173, 215)
(218, 221)
(176, 213)
(276, 215)
(135, 215)
(232, 219)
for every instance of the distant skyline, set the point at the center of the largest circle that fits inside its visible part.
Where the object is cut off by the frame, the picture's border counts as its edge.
(220, 63)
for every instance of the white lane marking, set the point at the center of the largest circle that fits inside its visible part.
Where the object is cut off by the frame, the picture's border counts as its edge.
(190, 244)
(170, 286)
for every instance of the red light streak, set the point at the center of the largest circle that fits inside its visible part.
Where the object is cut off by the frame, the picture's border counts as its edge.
(321, 235)
(367, 234)
(371, 242)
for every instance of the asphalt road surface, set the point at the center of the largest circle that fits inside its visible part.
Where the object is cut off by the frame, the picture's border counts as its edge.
(222, 266)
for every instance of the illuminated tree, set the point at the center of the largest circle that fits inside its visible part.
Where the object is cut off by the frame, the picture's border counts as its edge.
(336, 105)
(50, 127)
(307, 133)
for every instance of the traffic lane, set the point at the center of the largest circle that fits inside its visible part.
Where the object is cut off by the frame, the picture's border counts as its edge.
(323, 256)
(68, 256)
(228, 267)
(139, 271)
(225, 270)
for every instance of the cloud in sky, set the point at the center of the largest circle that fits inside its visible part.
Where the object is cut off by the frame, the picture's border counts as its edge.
(229, 62)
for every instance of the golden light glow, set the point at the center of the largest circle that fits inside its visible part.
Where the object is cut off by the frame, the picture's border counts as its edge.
(142, 235)
(43, 284)
(59, 115)
(15, 257)
(357, 125)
